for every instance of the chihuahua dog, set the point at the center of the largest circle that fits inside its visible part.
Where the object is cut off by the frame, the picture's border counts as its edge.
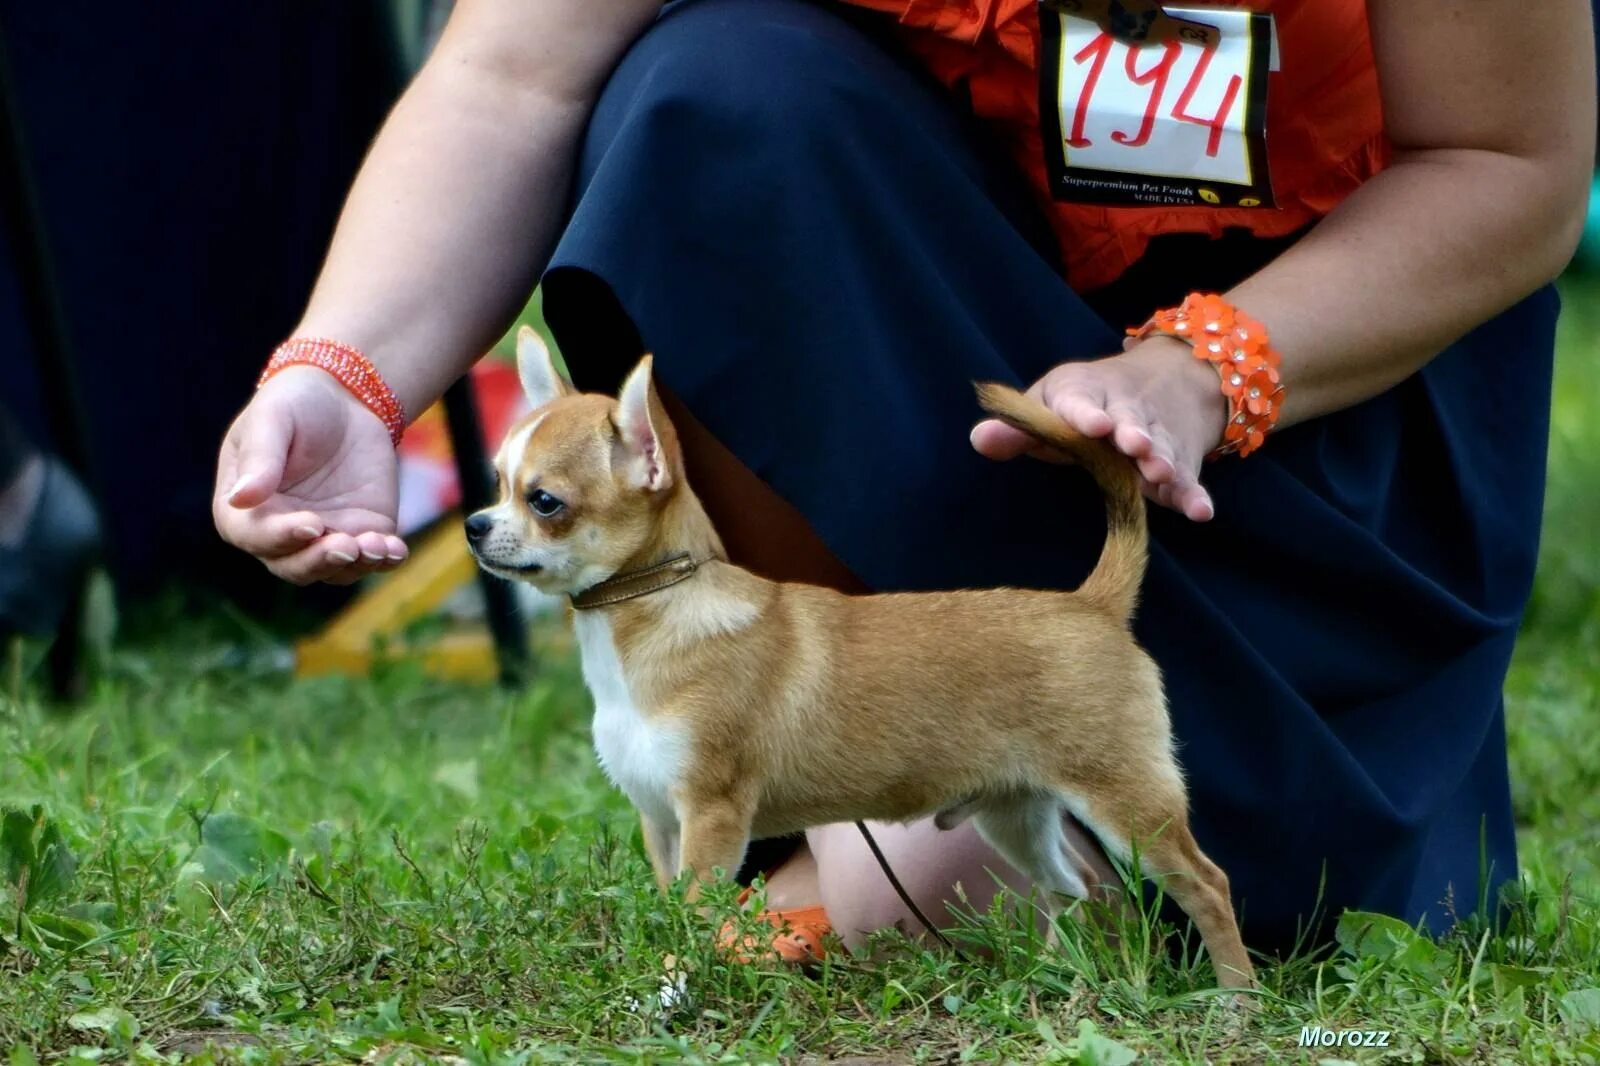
(730, 707)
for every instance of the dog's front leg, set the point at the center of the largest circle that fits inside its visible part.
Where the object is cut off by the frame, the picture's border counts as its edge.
(715, 833)
(661, 844)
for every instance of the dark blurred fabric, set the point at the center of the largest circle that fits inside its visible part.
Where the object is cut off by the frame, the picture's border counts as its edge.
(188, 160)
(13, 448)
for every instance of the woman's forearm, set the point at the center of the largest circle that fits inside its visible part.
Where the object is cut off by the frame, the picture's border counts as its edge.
(442, 233)
(1490, 106)
(1439, 242)
(460, 199)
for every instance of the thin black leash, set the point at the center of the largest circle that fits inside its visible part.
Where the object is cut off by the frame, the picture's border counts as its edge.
(900, 890)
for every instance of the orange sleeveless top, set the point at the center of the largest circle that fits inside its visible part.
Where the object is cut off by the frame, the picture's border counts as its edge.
(1324, 118)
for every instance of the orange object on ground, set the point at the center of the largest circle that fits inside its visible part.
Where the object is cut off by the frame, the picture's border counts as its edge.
(1324, 121)
(797, 939)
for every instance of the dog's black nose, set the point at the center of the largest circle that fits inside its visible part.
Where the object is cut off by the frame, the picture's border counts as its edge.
(478, 526)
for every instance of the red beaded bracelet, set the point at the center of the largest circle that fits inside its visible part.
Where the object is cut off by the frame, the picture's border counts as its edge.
(350, 368)
(1247, 364)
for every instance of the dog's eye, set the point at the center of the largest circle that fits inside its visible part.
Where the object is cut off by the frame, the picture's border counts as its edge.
(544, 505)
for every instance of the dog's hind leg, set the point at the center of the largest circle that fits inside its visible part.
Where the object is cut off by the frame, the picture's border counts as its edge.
(1201, 888)
(1026, 829)
(1159, 825)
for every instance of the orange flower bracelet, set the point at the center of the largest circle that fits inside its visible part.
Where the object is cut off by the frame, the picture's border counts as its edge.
(350, 367)
(1241, 351)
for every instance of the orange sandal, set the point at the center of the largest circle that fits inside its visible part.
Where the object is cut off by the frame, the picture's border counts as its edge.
(797, 940)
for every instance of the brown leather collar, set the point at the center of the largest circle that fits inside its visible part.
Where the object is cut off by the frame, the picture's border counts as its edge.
(635, 583)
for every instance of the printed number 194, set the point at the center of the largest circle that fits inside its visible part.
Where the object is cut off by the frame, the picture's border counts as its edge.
(1097, 51)
(1186, 108)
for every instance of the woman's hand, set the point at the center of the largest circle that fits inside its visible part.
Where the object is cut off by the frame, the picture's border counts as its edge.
(1157, 403)
(441, 237)
(307, 482)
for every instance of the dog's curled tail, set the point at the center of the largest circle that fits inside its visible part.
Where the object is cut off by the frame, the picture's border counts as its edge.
(1114, 583)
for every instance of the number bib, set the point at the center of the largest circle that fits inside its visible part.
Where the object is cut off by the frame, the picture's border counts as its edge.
(1145, 106)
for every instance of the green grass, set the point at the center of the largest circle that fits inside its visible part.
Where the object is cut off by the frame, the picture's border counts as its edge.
(398, 869)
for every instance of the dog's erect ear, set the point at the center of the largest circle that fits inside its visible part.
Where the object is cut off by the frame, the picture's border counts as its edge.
(540, 378)
(645, 432)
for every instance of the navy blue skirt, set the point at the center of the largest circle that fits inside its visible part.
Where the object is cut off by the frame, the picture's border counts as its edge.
(824, 251)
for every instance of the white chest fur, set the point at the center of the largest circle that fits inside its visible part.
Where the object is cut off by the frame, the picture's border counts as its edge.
(643, 757)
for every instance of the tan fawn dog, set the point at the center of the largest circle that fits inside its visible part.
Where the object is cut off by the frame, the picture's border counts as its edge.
(730, 707)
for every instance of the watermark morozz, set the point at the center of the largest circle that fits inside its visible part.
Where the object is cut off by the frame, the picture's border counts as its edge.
(1317, 1036)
